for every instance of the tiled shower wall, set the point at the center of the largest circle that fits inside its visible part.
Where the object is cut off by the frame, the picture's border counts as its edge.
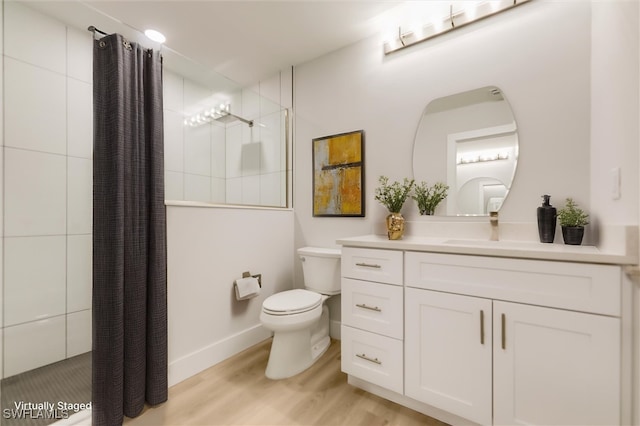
(47, 149)
(47, 190)
(226, 163)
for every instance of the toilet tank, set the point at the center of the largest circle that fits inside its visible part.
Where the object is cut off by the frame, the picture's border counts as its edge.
(321, 269)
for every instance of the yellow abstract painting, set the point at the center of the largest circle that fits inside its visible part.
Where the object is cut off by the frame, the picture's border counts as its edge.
(338, 175)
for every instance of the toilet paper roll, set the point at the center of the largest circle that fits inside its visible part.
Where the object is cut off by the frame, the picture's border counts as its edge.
(247, 288)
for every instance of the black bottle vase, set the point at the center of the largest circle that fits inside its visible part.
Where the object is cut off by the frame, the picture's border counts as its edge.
(546, 221)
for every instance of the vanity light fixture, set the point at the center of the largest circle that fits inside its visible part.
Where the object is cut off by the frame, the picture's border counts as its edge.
(452, 21)
(156, 36)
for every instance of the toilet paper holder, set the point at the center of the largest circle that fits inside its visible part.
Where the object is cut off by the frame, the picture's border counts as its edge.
(247, 274)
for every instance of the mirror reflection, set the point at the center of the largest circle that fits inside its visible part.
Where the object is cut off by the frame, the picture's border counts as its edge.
(224, 144)
(469, 141)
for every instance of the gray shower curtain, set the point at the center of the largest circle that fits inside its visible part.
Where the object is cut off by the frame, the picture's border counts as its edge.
(129, 232)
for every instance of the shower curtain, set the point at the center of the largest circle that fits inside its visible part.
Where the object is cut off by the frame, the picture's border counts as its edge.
(129, 232)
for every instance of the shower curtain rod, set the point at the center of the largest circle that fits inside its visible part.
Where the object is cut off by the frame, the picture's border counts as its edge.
(95, 30)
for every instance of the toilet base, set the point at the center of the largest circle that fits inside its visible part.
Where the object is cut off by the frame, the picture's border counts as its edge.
(292, 352)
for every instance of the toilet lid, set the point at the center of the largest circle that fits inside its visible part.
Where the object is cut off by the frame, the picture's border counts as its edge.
(291, 302)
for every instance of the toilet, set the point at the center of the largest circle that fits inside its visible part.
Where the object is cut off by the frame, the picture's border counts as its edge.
(299, 318)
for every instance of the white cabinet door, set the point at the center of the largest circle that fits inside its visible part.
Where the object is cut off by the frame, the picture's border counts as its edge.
(448, 349)
(554, 367)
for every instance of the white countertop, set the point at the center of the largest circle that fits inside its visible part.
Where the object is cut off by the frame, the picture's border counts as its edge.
(512, 249)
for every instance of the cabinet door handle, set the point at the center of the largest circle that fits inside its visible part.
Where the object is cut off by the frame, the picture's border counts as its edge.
(368, 265)
(504, 336)
(366, 358)
(371, 308)
(481, 327)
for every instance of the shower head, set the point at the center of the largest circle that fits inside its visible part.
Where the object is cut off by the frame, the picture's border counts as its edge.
(227, 117)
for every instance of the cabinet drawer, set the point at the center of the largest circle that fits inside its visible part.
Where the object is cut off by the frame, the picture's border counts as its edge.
(372, 357)
(575, 286)
(384, 266)
(372, 307)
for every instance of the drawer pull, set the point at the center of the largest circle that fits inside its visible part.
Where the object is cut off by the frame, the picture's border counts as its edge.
(481, 327)
(374, 308)
(504, 337)
(366, 358)
(369, 265)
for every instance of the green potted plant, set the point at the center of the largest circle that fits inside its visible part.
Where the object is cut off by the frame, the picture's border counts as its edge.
(393, 196)
(572, 220)
(428, 197)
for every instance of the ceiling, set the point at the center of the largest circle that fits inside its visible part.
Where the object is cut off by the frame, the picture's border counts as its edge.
(242, 40)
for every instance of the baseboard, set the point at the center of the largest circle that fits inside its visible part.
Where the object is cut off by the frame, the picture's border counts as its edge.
(334, 329)
(192, 364)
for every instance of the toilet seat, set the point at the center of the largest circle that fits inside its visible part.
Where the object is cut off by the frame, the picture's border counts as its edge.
(291, 302)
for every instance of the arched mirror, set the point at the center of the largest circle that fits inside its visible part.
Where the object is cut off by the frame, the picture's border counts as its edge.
(470, 142)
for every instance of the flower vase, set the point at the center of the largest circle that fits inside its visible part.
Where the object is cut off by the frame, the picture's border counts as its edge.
(395, 226)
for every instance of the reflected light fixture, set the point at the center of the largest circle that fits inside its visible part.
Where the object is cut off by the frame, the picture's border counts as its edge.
(207, 116)
(452, 21)
(483, 157)
(156, 36)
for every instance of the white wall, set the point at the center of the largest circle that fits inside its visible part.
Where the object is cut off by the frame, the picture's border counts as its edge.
(615, 107)
(208, 248)
(47, 172)
(539, 54)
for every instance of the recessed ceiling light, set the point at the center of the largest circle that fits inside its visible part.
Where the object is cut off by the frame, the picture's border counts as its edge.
(156, 36)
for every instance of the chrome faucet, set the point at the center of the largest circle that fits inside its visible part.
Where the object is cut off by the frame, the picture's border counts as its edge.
(493, 219)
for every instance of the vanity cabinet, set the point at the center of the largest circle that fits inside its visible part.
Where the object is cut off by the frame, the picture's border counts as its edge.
(486, 339)
(527, 364)
(372, 316)
(448, 352)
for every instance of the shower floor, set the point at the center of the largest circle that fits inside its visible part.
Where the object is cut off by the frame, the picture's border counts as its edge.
(66, 382)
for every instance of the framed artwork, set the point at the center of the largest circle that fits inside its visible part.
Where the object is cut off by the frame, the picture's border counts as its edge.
(338, 175)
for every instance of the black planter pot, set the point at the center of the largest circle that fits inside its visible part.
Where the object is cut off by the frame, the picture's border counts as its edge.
(573, 235)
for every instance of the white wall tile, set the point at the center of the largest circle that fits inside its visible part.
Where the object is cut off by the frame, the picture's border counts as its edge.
(80, 195)
(234, 190)
(270, 92)
(78, 333)
(271, 189)
(79, 118)
(218, 190)
(80, 55)
(35, 193)
(196, 98)
(197, 188)
(34, 344)
(35, 108)
(250, 103)
(286, 87)
(218, 151)
(173, 185)
(34, 279)
(273, 150)
(79, 272)
(197, 150)
(173, 141)
(251, 190)
(234, 151)
(33, 37)
(172, 86)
